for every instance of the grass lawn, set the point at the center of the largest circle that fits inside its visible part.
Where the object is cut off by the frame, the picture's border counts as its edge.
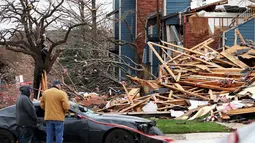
(181, 127)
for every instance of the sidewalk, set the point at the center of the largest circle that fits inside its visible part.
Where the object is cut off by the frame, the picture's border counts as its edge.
(198, 136)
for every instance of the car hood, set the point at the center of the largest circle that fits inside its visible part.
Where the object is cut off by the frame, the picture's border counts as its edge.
(120, 119)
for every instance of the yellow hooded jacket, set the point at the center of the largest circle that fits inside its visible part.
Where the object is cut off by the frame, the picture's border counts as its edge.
(55, 103)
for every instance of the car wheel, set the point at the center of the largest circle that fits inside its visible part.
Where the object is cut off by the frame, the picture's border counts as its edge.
(6, 137)
(119, 136)
(154, 131)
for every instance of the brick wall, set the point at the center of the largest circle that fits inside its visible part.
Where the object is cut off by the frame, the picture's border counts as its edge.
(196, 30)
(144, 7)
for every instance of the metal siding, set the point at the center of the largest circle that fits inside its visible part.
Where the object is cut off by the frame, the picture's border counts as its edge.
(173, 20)
(246, 29)
(173, 6)
(126, 7)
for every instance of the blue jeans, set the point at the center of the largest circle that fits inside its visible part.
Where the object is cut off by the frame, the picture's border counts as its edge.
(54, 128)
(27, 135)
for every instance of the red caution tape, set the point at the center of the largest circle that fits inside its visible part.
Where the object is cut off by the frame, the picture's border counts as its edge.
(160, 138)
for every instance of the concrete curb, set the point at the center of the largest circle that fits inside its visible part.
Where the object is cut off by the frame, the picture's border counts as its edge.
(198, 136)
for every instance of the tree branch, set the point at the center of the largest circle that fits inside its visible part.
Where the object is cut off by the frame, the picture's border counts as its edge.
(66, 37)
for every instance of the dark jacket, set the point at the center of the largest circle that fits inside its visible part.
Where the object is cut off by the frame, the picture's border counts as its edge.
(25, 111)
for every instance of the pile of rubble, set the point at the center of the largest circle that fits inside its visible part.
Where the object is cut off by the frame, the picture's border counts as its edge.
(193, 83)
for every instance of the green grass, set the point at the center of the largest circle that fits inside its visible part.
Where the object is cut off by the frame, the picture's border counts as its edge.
(181, 127)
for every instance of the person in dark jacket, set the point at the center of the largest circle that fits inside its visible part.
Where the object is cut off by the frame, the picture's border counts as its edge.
(26, 118)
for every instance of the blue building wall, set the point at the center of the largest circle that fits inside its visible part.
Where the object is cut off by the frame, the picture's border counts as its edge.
(155, 62)
(173, 6)
(173, 20)
(246, 29)
(128, 13)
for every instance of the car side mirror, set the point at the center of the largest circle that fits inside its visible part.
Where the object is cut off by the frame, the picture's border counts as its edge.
(83, 109)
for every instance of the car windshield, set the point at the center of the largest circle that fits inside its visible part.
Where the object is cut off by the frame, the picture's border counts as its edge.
(82, 109)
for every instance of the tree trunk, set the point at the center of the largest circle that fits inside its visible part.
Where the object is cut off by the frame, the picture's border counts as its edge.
(94, 19)
(94, 27)
(38, 70)
(82, 13)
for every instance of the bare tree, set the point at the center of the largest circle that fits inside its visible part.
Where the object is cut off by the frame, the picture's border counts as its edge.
(31, 21)
(133, 42)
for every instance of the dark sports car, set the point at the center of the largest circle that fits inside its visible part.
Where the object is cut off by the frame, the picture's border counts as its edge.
(84, 126)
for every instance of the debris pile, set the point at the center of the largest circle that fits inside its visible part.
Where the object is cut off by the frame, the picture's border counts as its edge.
(194, 82)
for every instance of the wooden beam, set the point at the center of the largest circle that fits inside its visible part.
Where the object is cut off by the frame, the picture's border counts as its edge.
(134, 105)
(207, 42)
(161, 60)
(207, 86)
(186, 92)
(234, 60)
(179, 76)
(191, 51)
(170, 95)
(240, 36)
(241, 111)
(129, 98)
(193, 57)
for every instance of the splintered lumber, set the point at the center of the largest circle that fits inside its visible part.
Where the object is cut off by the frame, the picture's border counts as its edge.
(207, 86)
(186, 92)
(133, 92)
(181, 102)
(234, 59)
(187, 114)
(191, 56)
(191, 51)
(170, 95)
(162, 61)
(198, 53)
(244, 86)
(237, 32)
(203, 111)
(134, 105)
(150, 84)
(207, 42)
(241, 111)
(224, 116)
(129, 98)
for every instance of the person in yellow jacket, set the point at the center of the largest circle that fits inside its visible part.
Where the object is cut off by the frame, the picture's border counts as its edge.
(55, 103)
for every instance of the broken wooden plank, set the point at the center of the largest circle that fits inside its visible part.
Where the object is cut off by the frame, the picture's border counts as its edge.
(134, 105)
(241, 111)
(203, 111)
(186, 92)
(191, 56)
(234, 60)
(179, 86)
(179, 77)
(187, 114)
(237, 32)
(224, 116)
(207, 42)
(129, 98)
(161, 60)
(244, 85)
(170, 95)
(207, 86)
(133, 92)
